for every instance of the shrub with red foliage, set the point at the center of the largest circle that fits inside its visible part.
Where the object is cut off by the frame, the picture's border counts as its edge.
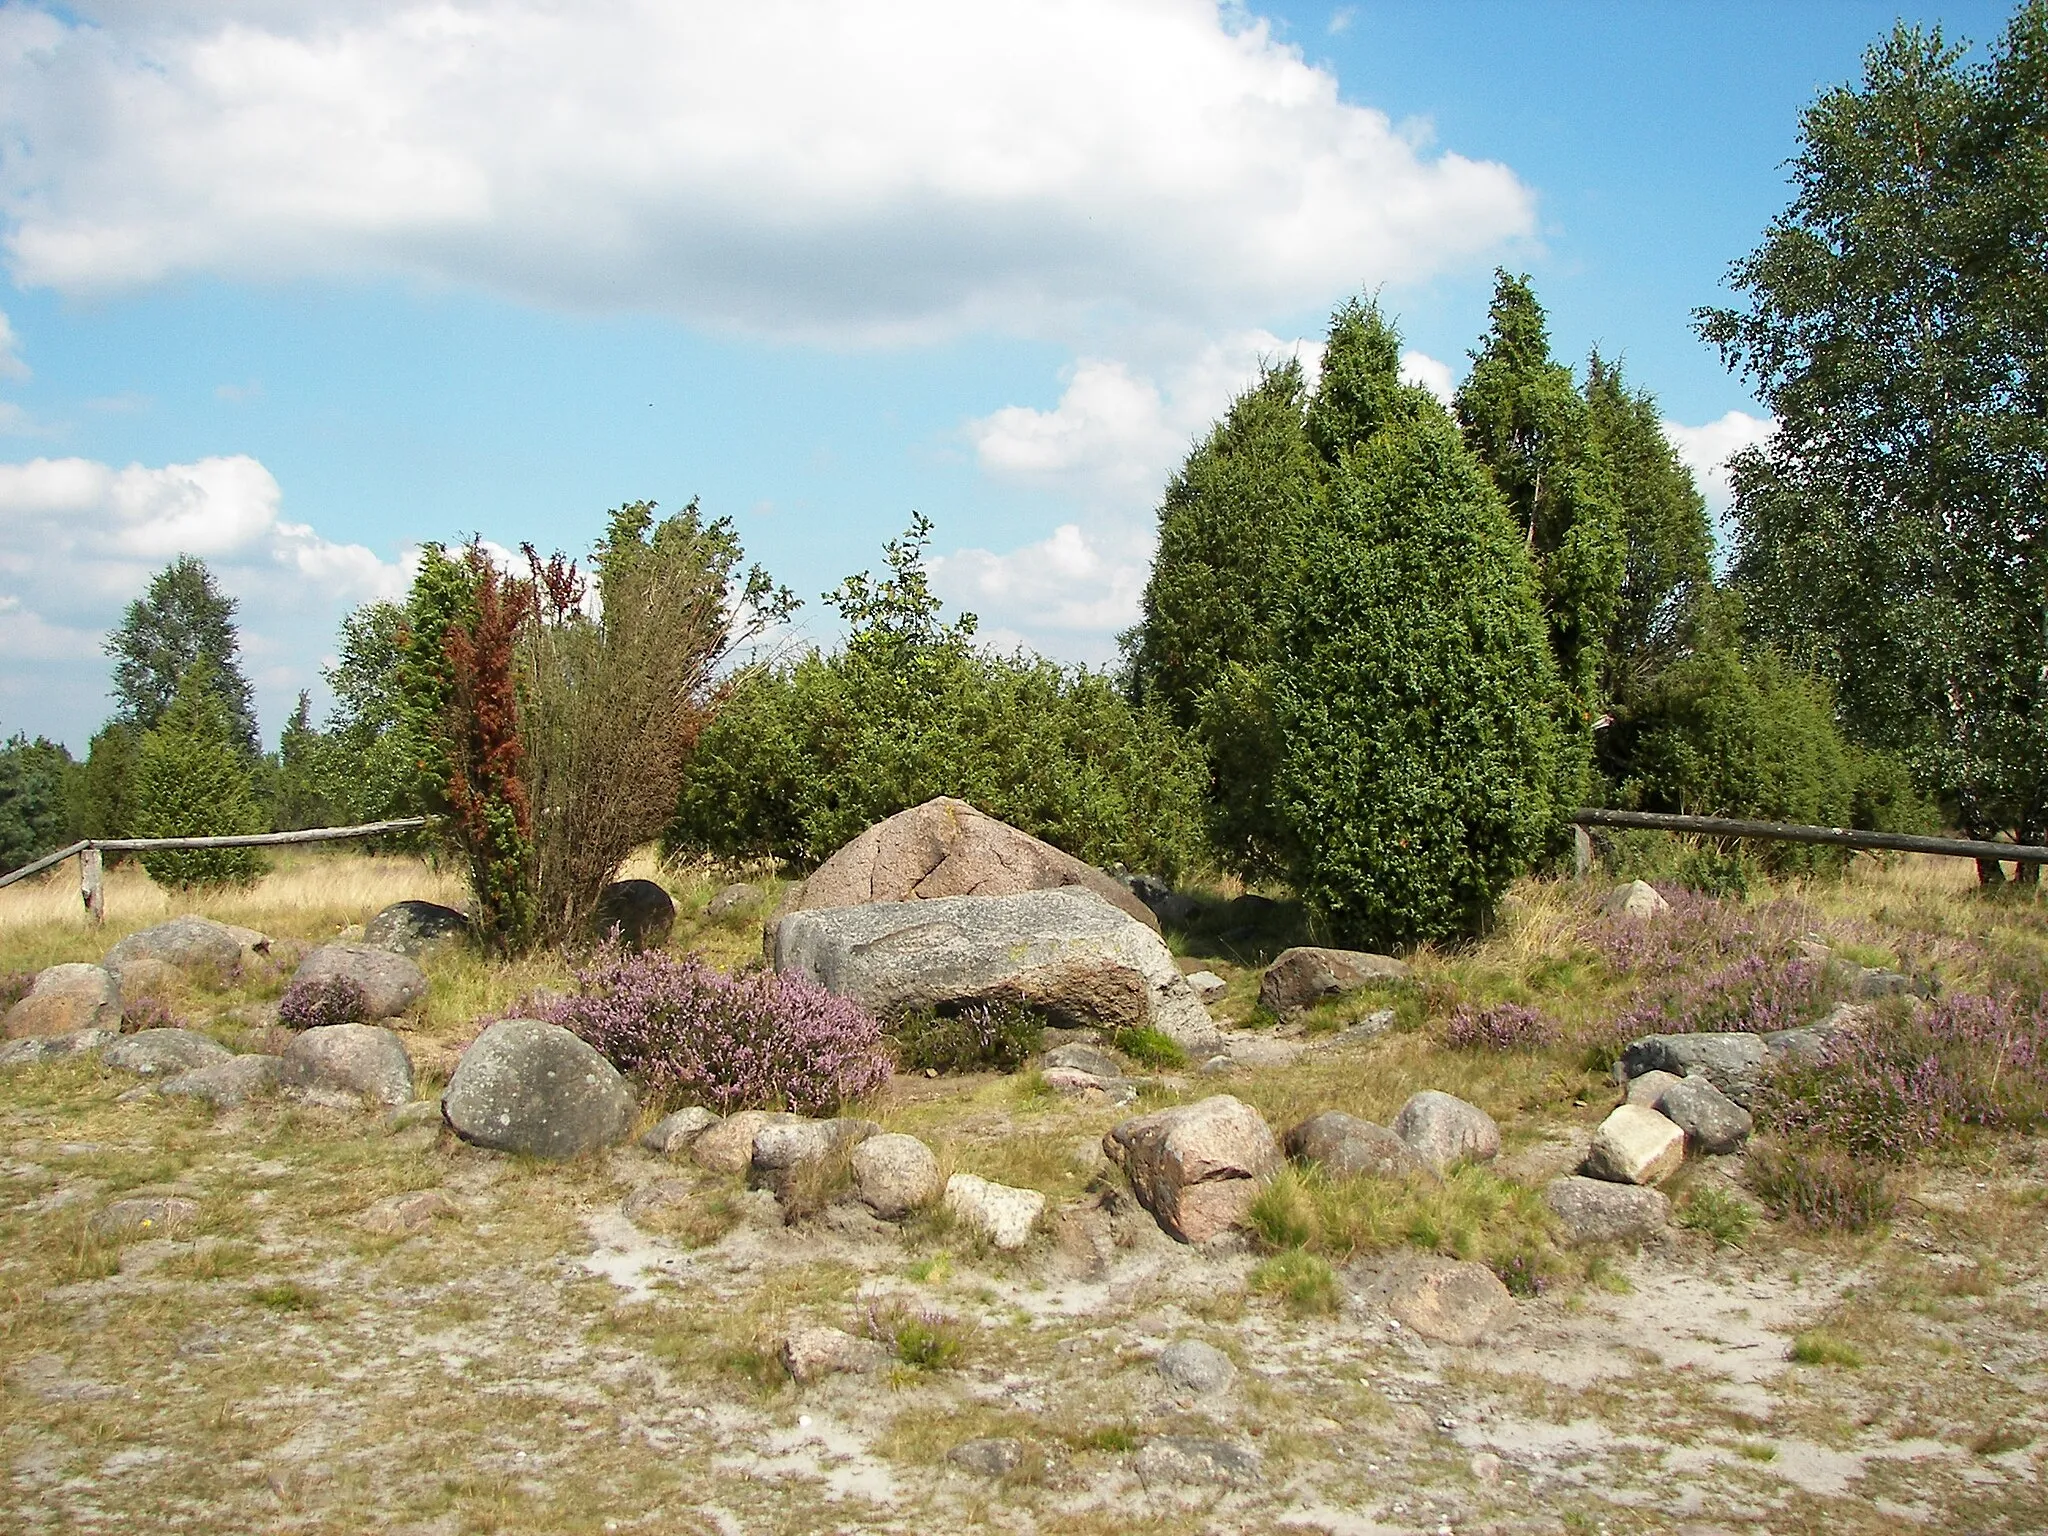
(490, 820)
(694, 1035)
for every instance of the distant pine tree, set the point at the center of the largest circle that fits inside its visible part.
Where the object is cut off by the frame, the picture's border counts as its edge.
(193, 780)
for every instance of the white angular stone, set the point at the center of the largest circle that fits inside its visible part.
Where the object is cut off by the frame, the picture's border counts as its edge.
(1636, 899)
(1003, 1215)
(1635, 1145)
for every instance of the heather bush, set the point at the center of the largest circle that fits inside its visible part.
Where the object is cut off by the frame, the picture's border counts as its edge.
(1698, 930)
(320, 1001)
(148, 1013)
(1756, 994)
(1820, 1186)
(1911, 1078)
(694, 1035)
(996, 1036)
(1498, 1027)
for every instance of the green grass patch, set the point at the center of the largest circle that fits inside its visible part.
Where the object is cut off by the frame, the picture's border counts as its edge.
(1726, 1218)
(1304, 1281)
(1149, 1047)
(1817, 1346)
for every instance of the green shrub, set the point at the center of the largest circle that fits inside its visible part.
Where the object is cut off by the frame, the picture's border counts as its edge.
(1414, 697)
(1816, 1346)
(998, 1036)
(35, 816)
(801, 758)
(192, 780)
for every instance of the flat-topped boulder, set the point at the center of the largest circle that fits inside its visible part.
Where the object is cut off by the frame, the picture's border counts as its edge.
(1066, 953)
(190, 943)
(1308, 974)
(65, 999)
(1733, 1063)
(413, 927)
(946, 848)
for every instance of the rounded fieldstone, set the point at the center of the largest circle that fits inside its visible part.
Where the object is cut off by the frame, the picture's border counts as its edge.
(1637, 899)
(643, 913)
(190, 943)
(1002, 1215)
(531, 1087)
(346, 1065)
(728, 1147)
(1344, 1145)
(411, 927)
(36, 1049)
(895, 1174)
(1599, 1211)
(1194, 1366)
(225, 1084)
(1733, 1062)
(730, 899)
(672, 1135)
(164, 1052)
(65, 999)
(1306, 975)
(1713, 1123)
(390, 983)
(1445, 1130)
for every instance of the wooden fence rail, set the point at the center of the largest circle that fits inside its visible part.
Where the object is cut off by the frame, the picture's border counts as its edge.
(93, 893)
(1837, 837)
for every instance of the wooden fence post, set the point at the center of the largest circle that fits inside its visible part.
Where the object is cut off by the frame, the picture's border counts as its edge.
(91, 890)
(1582, 853)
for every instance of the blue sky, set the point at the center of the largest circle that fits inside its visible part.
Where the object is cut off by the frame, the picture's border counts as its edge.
(295, 287)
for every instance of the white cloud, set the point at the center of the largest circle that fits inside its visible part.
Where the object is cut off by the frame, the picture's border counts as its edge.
(11, 365)
(1421, 369)
(80, 539)
(862, 171)
(1707, 449)
(1066, 595)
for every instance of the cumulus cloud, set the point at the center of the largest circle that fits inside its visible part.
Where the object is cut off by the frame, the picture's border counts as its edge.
(1421, 369)
(872, 170)
(80, 539)
(1707, 449)
(11, 365)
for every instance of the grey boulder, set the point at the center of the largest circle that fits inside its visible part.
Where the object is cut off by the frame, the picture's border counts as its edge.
(1196, 1167)
(643, 913)
(530, 1087)
(1307, 975)
(1712, 1122)
(65, 999)
(997, 1456)
(672, 1135)
(1637, 899)
(1065, 952)
(348, 1066)
(190, 943)
(785, 1154)
(1733, 1063)
(164, 1052)
(226, 1084)
(1343, 1145)
(390, 983)
(36, 1049)
(412, 927)
(730, 899)
(1196, 1367)
(894, 1174)
(1090, 1059)
(1444, 1130)
(1596, 1211)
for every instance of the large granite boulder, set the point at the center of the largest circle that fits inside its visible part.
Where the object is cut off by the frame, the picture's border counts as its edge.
(390, 983)
(1343, 1145)
(413, 927)
(164, 1052)
(1196, 1167)
(192, 944)
(643, 913)
(1307, 975)
(944, 848)
(66, 999)
(345, 1066)
(526, 1086)
(1444, 1130)
(1065, 952)
(1600, 1211)
(1733, 1063)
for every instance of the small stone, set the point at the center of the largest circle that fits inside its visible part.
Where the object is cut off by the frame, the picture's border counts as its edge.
(730, 899)
(398, 1215)
(346, 1066)
(1486, 1467)
(164, 1052)
(995, 1457)
(1713, 1123)
(1193, 1366)
(673, 1135)
(810, 1354)
(1635, 1145)
(65, 999)
(1090, 1059)
(1190, 1460)
(226, 1084)
(1649, 1088)
(1371, 1027)
(1208, 985)
(35, 1049)
(1343, 1145)
(1002, 1215)
(1086, 1085)
(1445, 1130)
(728, 1147)
(1873, 982)
(418, 1113)
(1599, 1211)
(1637, 899)
(143, 1216)
(895, 1174)
(1256, 1051)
